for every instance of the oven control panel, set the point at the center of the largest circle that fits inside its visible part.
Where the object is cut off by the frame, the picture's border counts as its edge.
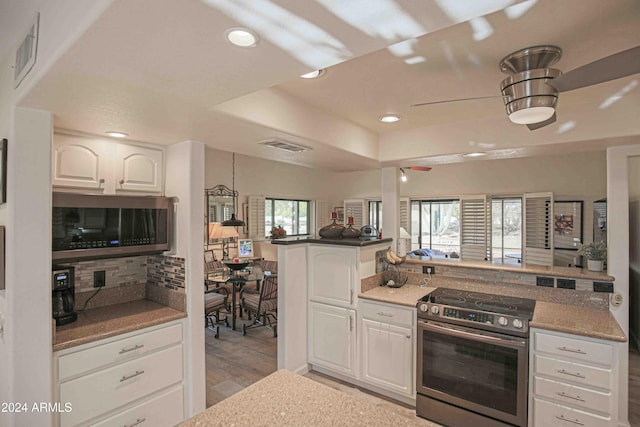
(484, 320)
(468, 315)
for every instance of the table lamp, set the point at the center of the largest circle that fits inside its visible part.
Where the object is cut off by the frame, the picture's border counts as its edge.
(217, 231)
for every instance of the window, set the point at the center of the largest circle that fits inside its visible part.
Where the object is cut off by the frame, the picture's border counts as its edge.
(506, 229)
(292, 215)
(435, 225)
(375, 214)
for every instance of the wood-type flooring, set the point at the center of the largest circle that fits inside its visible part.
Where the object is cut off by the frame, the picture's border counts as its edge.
(234, 361)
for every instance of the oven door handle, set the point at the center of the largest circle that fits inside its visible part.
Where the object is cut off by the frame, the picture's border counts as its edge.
(476, 335)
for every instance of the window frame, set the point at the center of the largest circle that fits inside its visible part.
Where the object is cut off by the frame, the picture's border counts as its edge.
(420, 203)
(502, 200)
(295, 221)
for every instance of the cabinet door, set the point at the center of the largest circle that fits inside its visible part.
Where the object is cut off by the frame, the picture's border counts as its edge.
(332, 338)
(387, 356)
(79, 162)
(333, 273)
(139, 169)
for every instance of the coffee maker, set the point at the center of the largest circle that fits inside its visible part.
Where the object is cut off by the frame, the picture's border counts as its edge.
(63, 297)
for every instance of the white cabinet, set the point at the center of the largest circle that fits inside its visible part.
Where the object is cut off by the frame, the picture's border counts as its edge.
(333, 275)
(387, 346)
(105, 166)
(573, 381)
(123, 380)
(332, 338)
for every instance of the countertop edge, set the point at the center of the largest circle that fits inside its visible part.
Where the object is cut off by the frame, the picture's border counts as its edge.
(341, 242)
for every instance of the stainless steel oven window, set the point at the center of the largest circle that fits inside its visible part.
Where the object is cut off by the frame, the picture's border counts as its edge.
(480, 371)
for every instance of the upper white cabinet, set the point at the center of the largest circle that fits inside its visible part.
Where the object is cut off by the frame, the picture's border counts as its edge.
(105, 166)
(333, 275)
(138, 168)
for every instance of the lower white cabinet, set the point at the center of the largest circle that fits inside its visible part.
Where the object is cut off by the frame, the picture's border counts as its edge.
(332, 338)
(387, 346)
(573, 381)
(131, 380)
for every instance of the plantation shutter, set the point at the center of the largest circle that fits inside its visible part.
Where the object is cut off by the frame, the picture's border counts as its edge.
(357, 209)
(404, 214)
(322, 215)
(256, 218)
(538, 233)
(475, 218)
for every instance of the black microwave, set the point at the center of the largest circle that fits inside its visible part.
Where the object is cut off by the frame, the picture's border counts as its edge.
(96, 226)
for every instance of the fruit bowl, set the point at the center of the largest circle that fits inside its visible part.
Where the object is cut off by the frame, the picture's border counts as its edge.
(236, 265)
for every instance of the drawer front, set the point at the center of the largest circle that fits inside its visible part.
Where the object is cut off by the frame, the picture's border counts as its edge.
(547, 414)
(387, 313)
(573, 372)
(587, 351)
(73, 364)
(164, 410)
(585, 398)
(98, 393)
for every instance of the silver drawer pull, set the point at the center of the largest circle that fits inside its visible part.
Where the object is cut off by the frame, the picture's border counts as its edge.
(572, 350)
(385, 314)
(563, 394)
(138, 422)
(135, 347)
(576, 421)
(128, 377)
(572, 374)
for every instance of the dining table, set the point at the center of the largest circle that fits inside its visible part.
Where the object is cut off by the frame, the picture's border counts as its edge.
(238, 279)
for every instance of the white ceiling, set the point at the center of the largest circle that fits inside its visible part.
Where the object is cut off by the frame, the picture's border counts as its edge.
(161, 71)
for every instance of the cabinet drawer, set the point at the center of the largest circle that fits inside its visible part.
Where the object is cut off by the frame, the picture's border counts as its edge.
(591, 352)
(573, 372)
(164, 410)
(73, 364)
(98, 393)
(588, 399)
(547, 414)
(387, 313)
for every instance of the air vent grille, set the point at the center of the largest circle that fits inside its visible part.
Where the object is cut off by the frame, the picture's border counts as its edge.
(286, 146)
(26, 53)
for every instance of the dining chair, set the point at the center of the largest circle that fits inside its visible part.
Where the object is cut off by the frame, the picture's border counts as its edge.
(215, 301)
(262, 307)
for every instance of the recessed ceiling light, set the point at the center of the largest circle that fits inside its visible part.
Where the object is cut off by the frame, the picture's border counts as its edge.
(117, 134)
(389, 118)
(242, 37)
(313, 75)
(474, 154)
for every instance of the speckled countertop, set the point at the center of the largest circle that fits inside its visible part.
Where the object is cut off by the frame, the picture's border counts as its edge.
(287, 399)
(577, 320)
(572, 319)
(111, 320)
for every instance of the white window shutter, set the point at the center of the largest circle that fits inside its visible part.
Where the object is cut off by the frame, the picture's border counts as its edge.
(404, 214)
(538, 231)
(322, 215)
(473, 229)
(357, 209)
(256, 218)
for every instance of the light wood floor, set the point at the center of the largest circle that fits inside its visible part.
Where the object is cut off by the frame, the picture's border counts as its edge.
(234, 361)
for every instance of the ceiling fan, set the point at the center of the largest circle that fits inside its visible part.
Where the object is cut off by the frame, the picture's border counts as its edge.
(531, 91)
(403, 177)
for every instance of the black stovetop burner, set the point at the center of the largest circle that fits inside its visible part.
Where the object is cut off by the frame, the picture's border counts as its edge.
(500, 304)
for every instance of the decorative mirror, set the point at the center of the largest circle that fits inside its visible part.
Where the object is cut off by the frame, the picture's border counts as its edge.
(219, 205)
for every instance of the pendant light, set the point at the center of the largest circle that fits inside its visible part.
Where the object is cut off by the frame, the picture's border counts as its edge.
(233, 222)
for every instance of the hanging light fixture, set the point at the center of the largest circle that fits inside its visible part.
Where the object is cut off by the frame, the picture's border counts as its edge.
(403, 177)
(233, 222)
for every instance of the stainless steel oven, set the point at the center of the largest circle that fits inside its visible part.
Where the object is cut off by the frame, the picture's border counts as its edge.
(472, 362)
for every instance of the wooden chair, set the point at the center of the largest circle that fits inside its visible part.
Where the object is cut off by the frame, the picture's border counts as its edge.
(215, 300)
(263, 307)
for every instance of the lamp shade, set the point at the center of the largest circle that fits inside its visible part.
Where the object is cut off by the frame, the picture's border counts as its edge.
(218, 231)
(233, 222)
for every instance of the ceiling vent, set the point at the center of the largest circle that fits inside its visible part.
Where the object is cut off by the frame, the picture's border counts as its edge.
(284, 145)
(26, 53)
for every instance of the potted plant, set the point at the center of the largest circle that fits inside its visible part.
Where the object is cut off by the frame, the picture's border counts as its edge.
(278, 232)
(596, 254)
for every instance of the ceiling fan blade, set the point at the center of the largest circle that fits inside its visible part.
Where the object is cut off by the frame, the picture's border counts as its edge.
(611, 67)
(419, 168)
(534, 126)
(456, 100)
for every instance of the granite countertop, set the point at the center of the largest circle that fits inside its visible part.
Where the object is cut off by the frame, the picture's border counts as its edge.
(287, 399)
(336, 242)
(571, 272)
(111, 320)
(572, 319)
(407, 295)
(577, 320)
